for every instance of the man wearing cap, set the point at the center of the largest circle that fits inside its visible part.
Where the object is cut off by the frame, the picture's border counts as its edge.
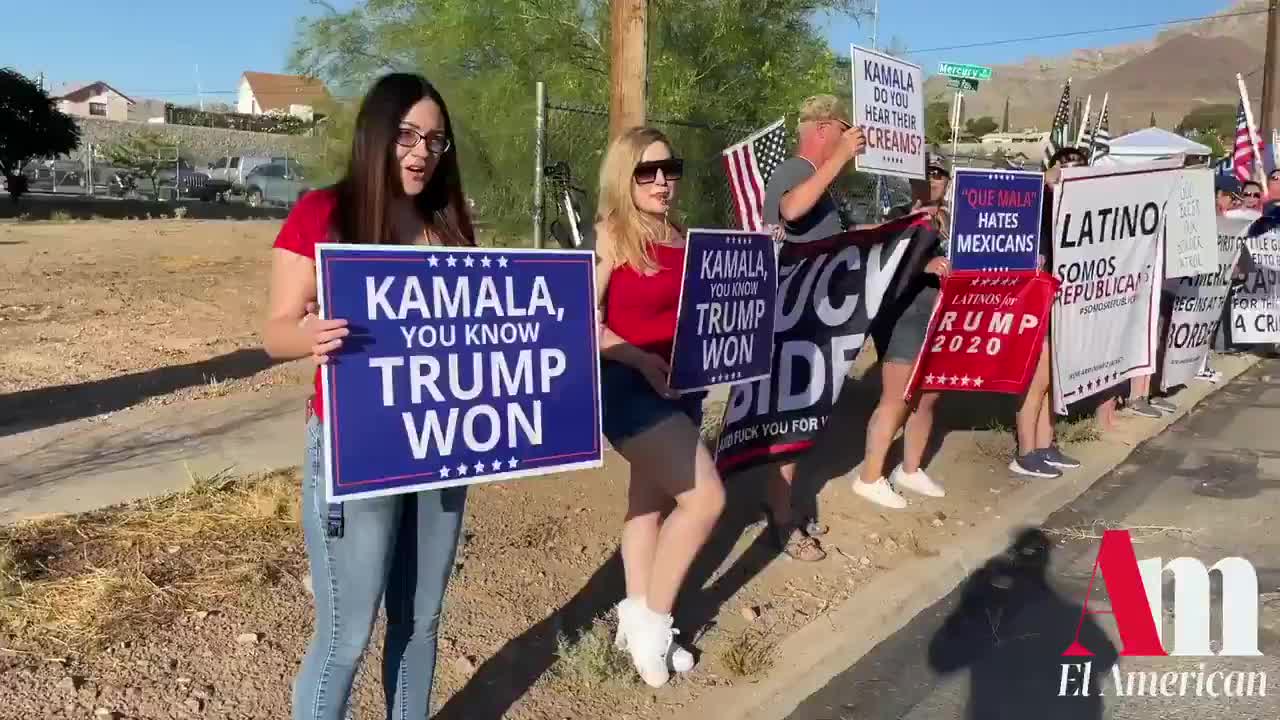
(798, 205)
(1226, 193)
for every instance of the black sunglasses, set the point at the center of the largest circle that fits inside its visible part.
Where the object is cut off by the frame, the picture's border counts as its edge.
(936, 174)
(1253, 195)
(436, 144)
(646, 173)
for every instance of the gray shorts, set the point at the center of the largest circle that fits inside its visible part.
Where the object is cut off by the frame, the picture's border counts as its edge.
(908, 335)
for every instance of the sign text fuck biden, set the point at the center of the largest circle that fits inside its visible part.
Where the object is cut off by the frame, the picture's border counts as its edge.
(463, 366)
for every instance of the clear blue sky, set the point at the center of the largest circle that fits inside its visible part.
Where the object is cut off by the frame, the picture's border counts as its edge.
(925, 24)
(151, 48)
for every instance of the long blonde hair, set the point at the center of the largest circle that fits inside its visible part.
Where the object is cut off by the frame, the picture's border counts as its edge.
(633, 232)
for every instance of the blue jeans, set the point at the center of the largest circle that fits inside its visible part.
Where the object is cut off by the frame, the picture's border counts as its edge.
(401, 546)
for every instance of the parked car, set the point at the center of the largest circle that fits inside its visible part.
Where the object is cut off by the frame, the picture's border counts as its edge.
(227, 174)
(189, 181)
(46, 175)
(276, 183)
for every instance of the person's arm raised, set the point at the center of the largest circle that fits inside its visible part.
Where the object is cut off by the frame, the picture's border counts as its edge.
(801, 199)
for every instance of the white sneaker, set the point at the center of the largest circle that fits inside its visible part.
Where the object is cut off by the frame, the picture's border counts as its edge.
(649, 641)
(917, 482)
(879, 492)
(678, 658)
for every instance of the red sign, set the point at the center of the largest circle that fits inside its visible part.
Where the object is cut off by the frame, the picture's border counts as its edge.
(986, 332)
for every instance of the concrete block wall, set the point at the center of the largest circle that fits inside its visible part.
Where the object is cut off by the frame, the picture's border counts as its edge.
(199, 144)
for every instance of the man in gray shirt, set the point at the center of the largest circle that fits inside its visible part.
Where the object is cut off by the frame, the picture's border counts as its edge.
(798, 197)
(798, 206)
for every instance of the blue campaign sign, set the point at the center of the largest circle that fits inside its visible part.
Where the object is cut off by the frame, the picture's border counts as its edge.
(724, 331)
(995, 219)
(463, 366)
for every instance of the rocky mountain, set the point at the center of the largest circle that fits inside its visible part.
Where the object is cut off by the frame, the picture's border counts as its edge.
(1178, 69)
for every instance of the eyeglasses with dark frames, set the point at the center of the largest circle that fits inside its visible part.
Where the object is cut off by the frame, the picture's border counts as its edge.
(437, 144)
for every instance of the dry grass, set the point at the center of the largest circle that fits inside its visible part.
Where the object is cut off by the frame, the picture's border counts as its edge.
(1138, 533)
(749, 654)
(60, 216)
(713, 422)
(85, 581)
(996, 442)
(590, 660)
(1075, 432)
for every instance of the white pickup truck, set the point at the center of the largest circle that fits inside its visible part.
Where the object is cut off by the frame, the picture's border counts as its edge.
(227, 175)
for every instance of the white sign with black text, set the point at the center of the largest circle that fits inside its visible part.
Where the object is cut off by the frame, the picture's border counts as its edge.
(1191, 225)
(1108, 232)
(1197, 309)
(888, 102)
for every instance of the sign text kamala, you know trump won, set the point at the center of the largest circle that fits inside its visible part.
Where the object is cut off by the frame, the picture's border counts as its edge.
(462, 367)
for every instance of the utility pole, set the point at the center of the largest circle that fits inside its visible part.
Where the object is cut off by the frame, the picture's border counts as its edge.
(1005, 127)
(1271, 71)
(628, 64)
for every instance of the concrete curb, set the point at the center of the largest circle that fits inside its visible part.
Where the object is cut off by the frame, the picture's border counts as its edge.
(807, 660)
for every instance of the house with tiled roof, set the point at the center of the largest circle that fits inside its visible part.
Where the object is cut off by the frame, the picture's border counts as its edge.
(263, 93)
(94, 99)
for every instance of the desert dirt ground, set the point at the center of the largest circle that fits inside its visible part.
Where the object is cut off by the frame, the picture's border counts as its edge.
(101, 316)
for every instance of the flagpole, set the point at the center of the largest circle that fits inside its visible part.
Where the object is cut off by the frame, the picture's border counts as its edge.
(1260, 172)
(1088, 103)
(1093, 137)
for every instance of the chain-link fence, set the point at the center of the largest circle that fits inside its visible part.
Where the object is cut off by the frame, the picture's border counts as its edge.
(574, 139)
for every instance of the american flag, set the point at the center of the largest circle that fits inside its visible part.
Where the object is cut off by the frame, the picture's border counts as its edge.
(1100, 139)
(1058, 133)
(749, 165)
(1242, 156)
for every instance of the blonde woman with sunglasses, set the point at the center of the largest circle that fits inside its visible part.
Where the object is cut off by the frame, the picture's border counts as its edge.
(675, 494)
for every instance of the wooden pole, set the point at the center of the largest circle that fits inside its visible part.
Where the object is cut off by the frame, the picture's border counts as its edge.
(628, 69)
(1271, 71)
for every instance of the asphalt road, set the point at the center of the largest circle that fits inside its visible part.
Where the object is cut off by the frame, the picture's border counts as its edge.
(1207, 488)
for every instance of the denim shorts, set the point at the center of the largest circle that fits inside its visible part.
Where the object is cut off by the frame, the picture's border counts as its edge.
(631, 406)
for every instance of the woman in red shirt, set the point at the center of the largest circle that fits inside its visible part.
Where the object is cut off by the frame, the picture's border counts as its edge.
(402, 186)
(675, 494)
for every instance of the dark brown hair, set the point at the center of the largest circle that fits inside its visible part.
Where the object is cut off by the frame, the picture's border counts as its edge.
(372, 180)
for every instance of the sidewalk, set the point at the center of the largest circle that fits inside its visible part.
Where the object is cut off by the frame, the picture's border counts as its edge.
(101, 461)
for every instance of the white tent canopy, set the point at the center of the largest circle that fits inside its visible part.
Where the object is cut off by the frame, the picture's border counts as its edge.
(1151, 143)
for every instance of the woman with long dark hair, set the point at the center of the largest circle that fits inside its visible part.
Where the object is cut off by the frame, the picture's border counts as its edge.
(402, 187)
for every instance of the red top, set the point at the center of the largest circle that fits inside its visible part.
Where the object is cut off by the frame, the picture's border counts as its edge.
(309, 223)
(641, 308)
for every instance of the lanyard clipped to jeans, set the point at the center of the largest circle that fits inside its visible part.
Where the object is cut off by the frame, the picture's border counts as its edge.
(333, 525)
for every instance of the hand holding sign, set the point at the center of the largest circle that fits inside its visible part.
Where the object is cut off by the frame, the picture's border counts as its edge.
(326, 335)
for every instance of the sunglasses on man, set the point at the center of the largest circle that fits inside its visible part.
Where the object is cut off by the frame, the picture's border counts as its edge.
(936, 174)
(1252, 194)
(646, 173)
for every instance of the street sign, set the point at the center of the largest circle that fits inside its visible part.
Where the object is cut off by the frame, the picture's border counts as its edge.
(966, 84)
(960, 70)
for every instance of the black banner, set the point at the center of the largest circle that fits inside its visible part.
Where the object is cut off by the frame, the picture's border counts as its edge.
(828, 294)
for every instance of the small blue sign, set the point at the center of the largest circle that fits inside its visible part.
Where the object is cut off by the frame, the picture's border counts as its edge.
(724, 331)
(995, 219)
(463, 366)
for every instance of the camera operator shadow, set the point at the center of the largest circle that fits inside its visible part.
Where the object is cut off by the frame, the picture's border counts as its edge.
(1010, 630)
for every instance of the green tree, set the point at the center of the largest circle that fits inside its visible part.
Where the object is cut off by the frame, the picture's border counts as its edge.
(711, 62)
(984, 125)
(143, 153)
(30, 127)
(937, 122)
(1153, 119)
(1218, 119)
(1209, 139)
